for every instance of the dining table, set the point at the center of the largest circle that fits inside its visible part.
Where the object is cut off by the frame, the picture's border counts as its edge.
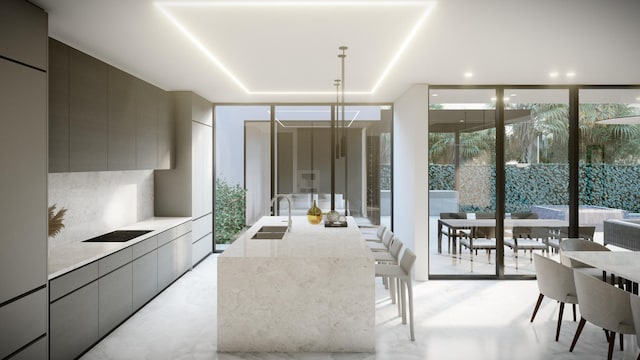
(460, 224)
(623, 265)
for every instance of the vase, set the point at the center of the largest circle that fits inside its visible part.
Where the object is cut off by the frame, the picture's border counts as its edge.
(314, 215)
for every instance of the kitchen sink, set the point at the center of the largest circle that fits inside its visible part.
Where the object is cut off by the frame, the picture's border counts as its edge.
(273, 228)
(119, 236)
(269, 232)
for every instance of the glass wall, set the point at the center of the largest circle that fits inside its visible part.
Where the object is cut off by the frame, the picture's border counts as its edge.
(462, 149)
(609, 166)
(361, 160)
(301, 165)
(543, 203)
(536, 171)
(242, 164)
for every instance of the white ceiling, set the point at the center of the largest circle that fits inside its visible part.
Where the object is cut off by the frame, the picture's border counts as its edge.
(274, 51)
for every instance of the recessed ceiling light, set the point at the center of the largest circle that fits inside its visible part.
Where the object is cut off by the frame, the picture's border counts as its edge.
(468, 74)
(461, 120)
(434, 94)
(638, 98)
(512, 95)
(571, 74)
(166, 6)
(506, 98)
(554, 74)
(493, 99)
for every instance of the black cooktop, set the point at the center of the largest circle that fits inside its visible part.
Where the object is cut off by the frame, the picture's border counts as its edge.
(119, 236)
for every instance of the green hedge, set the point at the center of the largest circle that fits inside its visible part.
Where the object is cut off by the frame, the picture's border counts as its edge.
(613, 186)
(229, 216)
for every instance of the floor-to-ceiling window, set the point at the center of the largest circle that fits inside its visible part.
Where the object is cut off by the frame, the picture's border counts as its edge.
(609, 166)
(266, 150)
(242, 169)
(462, 148)
(568, 156)
(356, 168)
(536, 170)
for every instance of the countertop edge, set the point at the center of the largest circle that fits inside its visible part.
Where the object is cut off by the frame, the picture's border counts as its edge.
(159, 225)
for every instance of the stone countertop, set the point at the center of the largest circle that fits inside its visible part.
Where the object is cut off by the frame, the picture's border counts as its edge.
(303, 241)
(67, 257)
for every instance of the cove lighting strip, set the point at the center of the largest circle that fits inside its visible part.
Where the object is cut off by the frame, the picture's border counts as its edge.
(357, 112)
(165, 6)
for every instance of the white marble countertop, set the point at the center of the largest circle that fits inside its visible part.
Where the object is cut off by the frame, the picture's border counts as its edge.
(304, 240)
(66, 257)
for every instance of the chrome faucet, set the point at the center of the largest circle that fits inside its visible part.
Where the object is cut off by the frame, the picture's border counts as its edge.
(273, 201)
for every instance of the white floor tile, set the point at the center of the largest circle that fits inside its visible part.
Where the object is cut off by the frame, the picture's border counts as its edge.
(454, 320)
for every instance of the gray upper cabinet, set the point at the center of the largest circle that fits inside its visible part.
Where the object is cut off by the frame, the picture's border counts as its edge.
(121, 115)
(23, 37)
(87, 113)
(146, 126)
(58, 106)
(102, 118)
(166, 131)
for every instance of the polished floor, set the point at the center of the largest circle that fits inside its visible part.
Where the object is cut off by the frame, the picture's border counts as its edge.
(483, 320)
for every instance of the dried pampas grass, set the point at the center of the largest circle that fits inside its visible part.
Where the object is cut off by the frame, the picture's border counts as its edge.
(55, 220)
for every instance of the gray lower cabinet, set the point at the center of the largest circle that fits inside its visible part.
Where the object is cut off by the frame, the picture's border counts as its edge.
(115, 294)
(37, 350)
(145, 279)
(89, 302)
(183, 254)
(73, 323)
(166, 267)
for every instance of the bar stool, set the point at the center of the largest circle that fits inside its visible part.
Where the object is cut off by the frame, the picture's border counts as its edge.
(402, 272)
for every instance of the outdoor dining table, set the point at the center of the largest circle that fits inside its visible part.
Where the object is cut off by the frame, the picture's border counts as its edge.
(621, 264)
(460, 224)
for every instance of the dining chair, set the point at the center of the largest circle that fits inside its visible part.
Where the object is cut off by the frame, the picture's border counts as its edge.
(402, 272)
(384, 244)
(605, 306)
(555, 281)
(584, 232)
(525, 237)
(481, 237)
(450, 233)
(582, 245)
(635, 311)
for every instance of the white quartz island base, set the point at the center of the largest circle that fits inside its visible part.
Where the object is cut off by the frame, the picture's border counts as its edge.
(312, 291)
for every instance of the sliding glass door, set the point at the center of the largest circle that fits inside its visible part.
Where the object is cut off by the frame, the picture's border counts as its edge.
(462, 149)
(609, 166)
(536, 172)
(547, 162)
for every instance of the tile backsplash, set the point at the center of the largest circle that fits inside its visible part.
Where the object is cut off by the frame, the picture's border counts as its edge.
(99, 202)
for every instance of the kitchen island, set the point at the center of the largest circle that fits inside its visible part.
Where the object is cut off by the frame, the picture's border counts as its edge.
(311, 291)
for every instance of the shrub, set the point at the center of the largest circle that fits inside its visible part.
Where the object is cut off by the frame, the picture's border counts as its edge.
(229, 215)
